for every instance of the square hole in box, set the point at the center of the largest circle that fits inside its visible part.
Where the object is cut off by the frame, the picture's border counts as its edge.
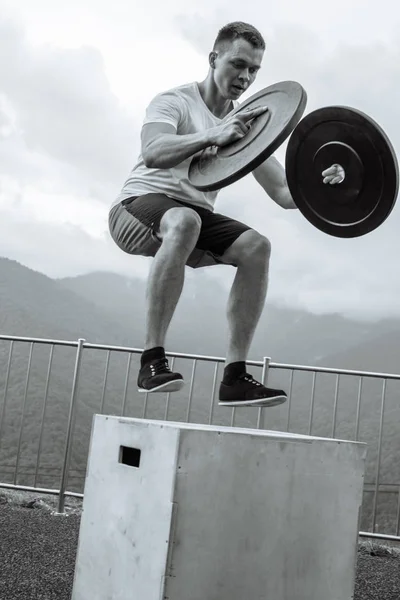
(129, 456)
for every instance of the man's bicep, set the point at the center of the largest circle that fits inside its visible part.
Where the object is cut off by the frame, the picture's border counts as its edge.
(150, 133)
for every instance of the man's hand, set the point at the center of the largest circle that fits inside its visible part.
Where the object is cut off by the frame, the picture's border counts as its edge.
(235, 127)
(334, 175)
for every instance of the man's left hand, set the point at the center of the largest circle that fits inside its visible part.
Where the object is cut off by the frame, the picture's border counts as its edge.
(334, 175)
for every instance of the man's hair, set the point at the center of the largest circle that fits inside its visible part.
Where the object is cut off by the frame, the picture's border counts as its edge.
(236, 30)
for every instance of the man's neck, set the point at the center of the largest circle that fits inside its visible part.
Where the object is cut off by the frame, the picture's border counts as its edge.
(219, 106)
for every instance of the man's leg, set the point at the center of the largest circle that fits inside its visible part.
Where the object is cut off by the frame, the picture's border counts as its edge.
(179, 231)
(251, 253)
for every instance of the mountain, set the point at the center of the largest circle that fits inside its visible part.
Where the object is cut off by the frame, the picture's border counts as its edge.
(199, 324)
(35, 305)
(378, 354)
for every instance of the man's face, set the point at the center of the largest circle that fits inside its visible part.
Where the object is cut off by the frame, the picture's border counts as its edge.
(236, 68)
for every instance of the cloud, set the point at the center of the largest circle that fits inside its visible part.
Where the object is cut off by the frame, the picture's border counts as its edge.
(61, 249)
(64, 109)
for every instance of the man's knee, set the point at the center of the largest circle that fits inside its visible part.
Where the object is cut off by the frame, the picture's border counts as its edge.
(180, 224)
(252, 247)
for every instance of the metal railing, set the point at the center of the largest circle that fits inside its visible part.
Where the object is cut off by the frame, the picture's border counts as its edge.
(69, 371)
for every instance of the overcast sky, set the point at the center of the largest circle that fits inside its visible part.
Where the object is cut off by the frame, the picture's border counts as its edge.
(75, 79)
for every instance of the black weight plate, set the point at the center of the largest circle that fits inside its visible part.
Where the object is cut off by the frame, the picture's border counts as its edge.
(213, 170)
(346, 136)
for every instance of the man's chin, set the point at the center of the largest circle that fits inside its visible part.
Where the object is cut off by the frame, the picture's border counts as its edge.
(233, 94)
(236, 93)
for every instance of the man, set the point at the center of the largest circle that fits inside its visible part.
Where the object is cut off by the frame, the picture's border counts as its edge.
(158, 213)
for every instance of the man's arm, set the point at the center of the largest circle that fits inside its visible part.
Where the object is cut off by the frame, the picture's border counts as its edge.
(162, 148)
(272, 178)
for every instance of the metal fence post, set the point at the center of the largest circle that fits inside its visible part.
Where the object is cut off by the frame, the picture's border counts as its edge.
(71, 420)
(264, 381)
(3, 410)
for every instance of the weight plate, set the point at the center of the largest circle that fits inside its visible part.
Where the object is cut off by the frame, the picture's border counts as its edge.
(345, 136)
(214, 169)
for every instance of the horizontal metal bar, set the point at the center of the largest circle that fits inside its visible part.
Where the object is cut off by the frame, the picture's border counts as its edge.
(334, 371)
(384, 488)
(205, 358)
(379, 536)
(32, 340)
(369, 488)
(27, 488)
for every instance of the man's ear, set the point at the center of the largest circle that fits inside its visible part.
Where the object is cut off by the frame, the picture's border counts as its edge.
(212, 58)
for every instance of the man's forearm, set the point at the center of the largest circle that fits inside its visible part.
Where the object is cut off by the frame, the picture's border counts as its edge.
(284, 198)
(169, 150)
(272, 178)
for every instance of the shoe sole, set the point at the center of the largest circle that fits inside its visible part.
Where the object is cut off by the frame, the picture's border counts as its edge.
(275, 401)
(170, 386)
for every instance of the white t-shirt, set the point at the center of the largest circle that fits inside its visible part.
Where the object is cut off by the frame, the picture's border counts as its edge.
(184, 108)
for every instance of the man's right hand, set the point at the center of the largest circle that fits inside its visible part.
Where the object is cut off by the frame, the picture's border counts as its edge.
(234, 127)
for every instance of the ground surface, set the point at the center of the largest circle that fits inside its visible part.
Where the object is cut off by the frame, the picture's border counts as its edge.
(38, 550)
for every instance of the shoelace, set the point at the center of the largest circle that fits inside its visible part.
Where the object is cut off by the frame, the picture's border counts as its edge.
(160, 366)
(250, 379)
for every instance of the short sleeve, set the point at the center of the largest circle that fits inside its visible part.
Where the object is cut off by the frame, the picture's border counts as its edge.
(167, 107)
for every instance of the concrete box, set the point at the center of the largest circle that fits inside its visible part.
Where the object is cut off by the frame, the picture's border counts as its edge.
(191, 512)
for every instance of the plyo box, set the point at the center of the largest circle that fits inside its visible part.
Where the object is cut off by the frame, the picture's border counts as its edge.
(176, 511)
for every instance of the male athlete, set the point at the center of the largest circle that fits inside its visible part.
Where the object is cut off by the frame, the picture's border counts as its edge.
(160, 214)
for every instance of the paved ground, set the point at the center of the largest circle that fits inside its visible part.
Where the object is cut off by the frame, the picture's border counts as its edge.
(38, 549)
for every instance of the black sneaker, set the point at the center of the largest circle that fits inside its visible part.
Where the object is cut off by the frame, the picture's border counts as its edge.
(246, 391)
(156, 376)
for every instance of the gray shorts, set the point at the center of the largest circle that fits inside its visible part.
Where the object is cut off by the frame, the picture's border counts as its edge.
(135, 224)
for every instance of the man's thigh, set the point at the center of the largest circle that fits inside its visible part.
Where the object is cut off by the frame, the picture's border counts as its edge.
(135, 224)
(218, 233)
